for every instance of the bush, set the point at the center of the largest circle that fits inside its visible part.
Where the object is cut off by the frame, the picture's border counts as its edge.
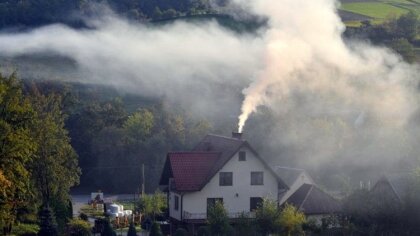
(108, 230)
(25, 229)
(132, 230)
(181, 232)
(155, 231)
(79, 228)
(83, 216)
(203, 231)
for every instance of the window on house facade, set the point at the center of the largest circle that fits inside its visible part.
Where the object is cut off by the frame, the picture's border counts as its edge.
(212, 201)
(225, 178)
(176, 202)
(257, 178)
(242, 156)
(255, 202)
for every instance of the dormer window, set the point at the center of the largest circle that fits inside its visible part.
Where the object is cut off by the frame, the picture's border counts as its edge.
(242, 156)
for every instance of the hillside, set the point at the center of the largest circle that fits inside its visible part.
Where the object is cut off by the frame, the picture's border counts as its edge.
(355, 11)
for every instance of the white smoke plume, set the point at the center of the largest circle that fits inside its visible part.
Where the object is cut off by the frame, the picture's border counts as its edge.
(305, 53)
(198, 65)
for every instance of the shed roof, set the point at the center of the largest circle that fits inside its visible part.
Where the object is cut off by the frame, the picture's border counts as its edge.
(313, 201)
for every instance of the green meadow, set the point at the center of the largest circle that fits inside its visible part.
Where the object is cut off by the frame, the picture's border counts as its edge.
(379, 10)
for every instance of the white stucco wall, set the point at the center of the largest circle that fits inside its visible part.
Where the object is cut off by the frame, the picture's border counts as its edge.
(303, 178)
(196, 202)
(176, 214)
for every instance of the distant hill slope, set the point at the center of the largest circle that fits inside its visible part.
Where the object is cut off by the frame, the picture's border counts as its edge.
(376, 10)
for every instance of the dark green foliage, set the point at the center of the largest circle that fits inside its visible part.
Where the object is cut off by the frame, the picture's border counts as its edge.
(203, 231)
(181, 232)
(267, 217)
(397, 33)
(404, 48)
(155, 230)
(48, 225)
(70, 209)
(79, 228)
(25, 229)
(108, 230)
(40, 12)
(17, 147)
(376, 211)
(245, 225)
(132, 230)
(218, 220)
(83, 216)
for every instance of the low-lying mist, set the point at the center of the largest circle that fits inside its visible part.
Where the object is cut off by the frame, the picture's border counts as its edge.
(311, 99)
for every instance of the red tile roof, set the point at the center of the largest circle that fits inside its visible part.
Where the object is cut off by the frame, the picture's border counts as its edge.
(190, 169)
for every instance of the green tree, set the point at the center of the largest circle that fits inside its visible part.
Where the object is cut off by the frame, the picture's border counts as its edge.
(291, 220)
(132, 230)
(108, 230)
(152, 205)
(181, 232)
(203, 231)
(245, 225)
(16, 149)
(267, 217)
(48, 225)
(139, 125)
(404, 48)
(155, 230)
(218, 220)
(407, 26)
(157, 13)
(54, 167)
(79, 227)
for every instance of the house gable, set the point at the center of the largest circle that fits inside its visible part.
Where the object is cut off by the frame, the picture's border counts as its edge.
(237, 197)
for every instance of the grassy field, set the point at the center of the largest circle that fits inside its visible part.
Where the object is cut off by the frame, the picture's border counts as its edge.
(379, 10)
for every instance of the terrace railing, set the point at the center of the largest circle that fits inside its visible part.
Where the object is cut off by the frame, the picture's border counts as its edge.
(201, 216)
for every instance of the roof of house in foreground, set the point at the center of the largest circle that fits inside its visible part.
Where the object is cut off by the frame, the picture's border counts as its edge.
(207, 158)
(313, 201)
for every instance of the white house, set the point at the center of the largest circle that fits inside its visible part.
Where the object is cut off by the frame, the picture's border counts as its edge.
(225, 169)
(229, 170)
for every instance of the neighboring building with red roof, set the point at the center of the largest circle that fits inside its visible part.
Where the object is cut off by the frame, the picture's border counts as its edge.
(219, 168)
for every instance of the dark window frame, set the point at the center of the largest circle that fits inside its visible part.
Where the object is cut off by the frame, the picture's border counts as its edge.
(254, 203)
(256, 180)
(242, 156)
(176, 201)
(224, 179)
(211, 202)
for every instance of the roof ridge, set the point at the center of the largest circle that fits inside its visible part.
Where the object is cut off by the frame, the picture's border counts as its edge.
(226, 137)
(289, 168)
(307, 194)
(194, 152)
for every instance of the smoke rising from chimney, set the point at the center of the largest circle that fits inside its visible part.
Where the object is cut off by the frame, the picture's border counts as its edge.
(304, 50)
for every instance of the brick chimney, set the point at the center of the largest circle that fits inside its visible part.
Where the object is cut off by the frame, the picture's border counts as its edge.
(237, 135)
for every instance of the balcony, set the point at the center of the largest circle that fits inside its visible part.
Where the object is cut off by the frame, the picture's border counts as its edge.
(202, 216)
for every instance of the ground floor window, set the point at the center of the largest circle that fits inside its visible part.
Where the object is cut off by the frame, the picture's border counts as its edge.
(212, 201)
(255, 202)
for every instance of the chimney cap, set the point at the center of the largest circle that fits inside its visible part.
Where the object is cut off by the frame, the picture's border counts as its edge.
(237, 135)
